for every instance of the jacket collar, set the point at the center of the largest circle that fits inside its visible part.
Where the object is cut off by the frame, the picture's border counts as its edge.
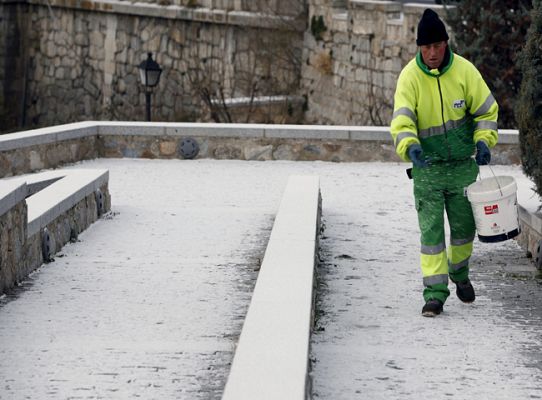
(445, 66)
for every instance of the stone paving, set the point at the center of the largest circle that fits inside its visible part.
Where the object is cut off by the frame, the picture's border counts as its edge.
(150, 302)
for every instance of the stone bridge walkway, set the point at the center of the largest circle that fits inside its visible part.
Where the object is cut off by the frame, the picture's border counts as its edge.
(150, 302)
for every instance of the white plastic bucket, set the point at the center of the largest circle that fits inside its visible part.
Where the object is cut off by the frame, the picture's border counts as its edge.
(495, 208)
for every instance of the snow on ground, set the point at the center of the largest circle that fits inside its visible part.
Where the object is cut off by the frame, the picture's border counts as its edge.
(151, 300)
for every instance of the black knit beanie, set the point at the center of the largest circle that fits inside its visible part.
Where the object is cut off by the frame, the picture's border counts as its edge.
(430, 29)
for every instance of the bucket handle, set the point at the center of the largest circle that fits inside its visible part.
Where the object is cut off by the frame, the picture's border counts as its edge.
(495, 176)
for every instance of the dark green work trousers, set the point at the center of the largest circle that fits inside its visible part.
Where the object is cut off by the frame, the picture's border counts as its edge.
(437, 188)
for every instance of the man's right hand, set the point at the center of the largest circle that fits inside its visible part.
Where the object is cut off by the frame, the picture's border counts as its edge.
(415, 153)
(483, 155)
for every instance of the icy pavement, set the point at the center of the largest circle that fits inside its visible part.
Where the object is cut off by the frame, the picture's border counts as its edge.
(150, 302)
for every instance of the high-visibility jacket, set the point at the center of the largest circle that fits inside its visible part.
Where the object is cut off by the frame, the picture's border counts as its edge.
(446, 111)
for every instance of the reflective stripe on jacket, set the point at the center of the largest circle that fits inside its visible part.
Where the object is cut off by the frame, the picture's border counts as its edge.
(445, 111)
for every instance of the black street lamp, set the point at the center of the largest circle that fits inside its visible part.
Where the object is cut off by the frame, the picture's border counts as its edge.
(149, 72)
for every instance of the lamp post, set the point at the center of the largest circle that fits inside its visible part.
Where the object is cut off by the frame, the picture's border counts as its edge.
(149, 72)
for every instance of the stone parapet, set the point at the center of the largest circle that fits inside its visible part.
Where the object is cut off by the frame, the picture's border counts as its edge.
(40, 213)
(42, 156)
(52, 147)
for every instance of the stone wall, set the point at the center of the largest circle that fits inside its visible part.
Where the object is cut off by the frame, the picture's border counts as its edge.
(13, 248)
(80, 59)
(262, 149)
(250, 148)
(50, 155)
(350, 69)
(83, 58)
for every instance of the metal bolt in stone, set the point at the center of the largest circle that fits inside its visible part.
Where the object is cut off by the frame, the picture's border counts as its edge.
(100, 204)
(46, 246)
(538, 256)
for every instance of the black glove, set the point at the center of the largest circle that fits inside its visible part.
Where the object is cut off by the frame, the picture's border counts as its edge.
(483, 155)
(415, 153)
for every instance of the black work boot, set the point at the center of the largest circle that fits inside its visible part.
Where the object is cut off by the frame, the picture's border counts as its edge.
(465, 291)
(432, 308)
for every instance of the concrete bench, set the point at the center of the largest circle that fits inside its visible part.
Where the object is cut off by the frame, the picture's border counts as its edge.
(271, 360)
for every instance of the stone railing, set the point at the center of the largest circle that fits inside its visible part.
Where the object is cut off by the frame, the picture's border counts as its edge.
(42, 212)
(52, 147)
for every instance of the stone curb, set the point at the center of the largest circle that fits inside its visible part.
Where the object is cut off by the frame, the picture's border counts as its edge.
(271, 360)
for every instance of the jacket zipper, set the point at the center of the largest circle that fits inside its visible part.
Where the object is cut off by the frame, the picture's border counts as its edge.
(442, 116)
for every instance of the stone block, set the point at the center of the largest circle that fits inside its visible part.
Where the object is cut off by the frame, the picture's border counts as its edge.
(35, 161)
(305, 132)
(228, 152)
(257, 152)
(131, 129)
(168, 148)
(284, 152)
(216, 130)
(371, 133)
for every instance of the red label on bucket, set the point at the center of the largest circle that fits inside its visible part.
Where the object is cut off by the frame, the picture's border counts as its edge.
(493, 209)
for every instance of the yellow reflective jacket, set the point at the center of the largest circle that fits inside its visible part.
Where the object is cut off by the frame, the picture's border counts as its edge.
(446, 111)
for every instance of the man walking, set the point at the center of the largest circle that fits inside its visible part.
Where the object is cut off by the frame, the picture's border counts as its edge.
(444, 113)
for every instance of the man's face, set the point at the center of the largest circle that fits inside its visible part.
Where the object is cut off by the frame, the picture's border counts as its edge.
(433, 54)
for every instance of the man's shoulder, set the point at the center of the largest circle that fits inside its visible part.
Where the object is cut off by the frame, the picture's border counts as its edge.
(462, 61)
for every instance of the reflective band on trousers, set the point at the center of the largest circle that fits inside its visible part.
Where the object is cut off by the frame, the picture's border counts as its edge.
(435, 279)
(458, 266)
(432, 250)
(441, 129)
(484, 108)
(461, 242)
(403, 135)
(407, 112)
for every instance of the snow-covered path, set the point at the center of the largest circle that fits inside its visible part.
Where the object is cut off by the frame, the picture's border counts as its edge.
(371, 341)
(150, 301)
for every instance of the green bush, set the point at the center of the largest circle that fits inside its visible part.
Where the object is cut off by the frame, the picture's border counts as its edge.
(529, 104)
(490, 34)
(318, 27)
